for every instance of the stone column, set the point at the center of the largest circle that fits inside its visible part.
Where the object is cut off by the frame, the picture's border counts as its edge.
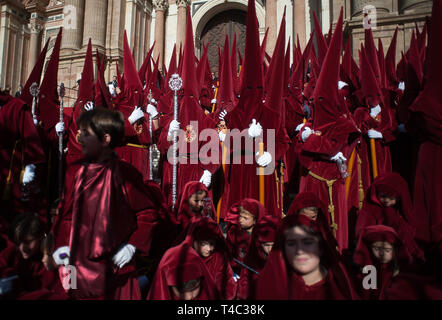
(271, 24)
(181, 24)
(36, 9)
(73, 24)
(95, 18)
(34, 45)
(160, 7)
(299, 22)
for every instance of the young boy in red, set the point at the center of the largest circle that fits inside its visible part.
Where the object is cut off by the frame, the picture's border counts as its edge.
(107, 214)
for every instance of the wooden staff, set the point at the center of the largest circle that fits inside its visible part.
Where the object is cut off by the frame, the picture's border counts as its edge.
(350, 170)
(216, 95)
(224, 155)
(373, 158)
(261, 176)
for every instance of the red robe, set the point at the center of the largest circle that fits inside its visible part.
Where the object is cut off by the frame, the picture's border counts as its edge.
(35, 282)
(20, 145)
(264, 231)
(278, 281)
(122, 212)
(178, 265)
(401, 217)
(238, 240)
(315, 156)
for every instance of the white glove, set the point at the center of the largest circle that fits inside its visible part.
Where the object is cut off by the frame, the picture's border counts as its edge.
(174, 126)
(375, 111)
(206, 178)
(255, 129)
(222, 115)
(306, 133)
(153, 101)
(373, 134)
(61, 255)
(299, 127)
(222, 136)
(124, 255)
(59, 128)
(401, 128)
(151, 110)
(89, 106)
(213, 101)
(136, 115)
(342, 84)
(29, 174)
(35, 121)
(401, 86)
(112, 90)
(338, 156)
(264, 160)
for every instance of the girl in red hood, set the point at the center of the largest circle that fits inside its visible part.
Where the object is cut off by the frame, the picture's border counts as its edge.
(303, 265)
(183, 275)
(262, 240)
(388, 202)
(241, 220)
(380, 246)
(206, 238)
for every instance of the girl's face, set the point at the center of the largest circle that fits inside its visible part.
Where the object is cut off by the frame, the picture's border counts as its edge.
(29, 247)
(383, 251)
(196, 202)
(205, 247)
(311, 212)
(387, 200)
(91, 146)
(302, 251)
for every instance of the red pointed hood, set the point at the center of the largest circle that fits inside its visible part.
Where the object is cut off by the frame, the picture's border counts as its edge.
(233, 59)
(298, 77)
(103, 97)
(273, 84)
(146, 63)
(322, 44)
(370, 50)
(370, 89)
(34, 76)
(349, 68)
(429, 101)
(286, 70)
(390, 61)
(325, 94)
(132, 85)
(119, 77)
(201, 68)
(188, 74)
(226, 97)
(414, 59)
(172, 67)
(381, 60)
(86, 91)
(48, 102)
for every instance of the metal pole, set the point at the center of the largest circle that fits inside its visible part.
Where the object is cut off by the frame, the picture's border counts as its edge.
(175, 83)
(35, 90)
(150, 147)
(60, 143)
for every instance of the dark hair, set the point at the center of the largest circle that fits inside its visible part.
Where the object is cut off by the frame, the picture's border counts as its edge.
(24, 225)
(47, 244)
(188, 285)
(104, 121)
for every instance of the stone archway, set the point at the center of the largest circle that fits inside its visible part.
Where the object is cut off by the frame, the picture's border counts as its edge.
(203, 14)
(230, 22)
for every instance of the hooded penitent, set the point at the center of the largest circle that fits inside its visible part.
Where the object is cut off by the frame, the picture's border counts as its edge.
(279, 281)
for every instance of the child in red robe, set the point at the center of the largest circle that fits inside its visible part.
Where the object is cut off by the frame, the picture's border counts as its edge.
(380, 246)
(26, 260)
(304, 265)
(109, 215)
(241, 220)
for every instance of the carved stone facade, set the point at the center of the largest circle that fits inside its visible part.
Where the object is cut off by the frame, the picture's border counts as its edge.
(26, 25)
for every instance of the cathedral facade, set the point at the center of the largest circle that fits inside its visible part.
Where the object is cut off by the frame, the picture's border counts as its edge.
(26, 25)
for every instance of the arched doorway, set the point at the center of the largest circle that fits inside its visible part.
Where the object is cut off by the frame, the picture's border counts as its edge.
(228, 22)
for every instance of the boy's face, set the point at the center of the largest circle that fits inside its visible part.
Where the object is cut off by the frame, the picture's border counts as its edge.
(91, 146)
(204, 247)
(311, 212)
(383, 251)
(29, 247)
(246, 220)
(196, 202)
